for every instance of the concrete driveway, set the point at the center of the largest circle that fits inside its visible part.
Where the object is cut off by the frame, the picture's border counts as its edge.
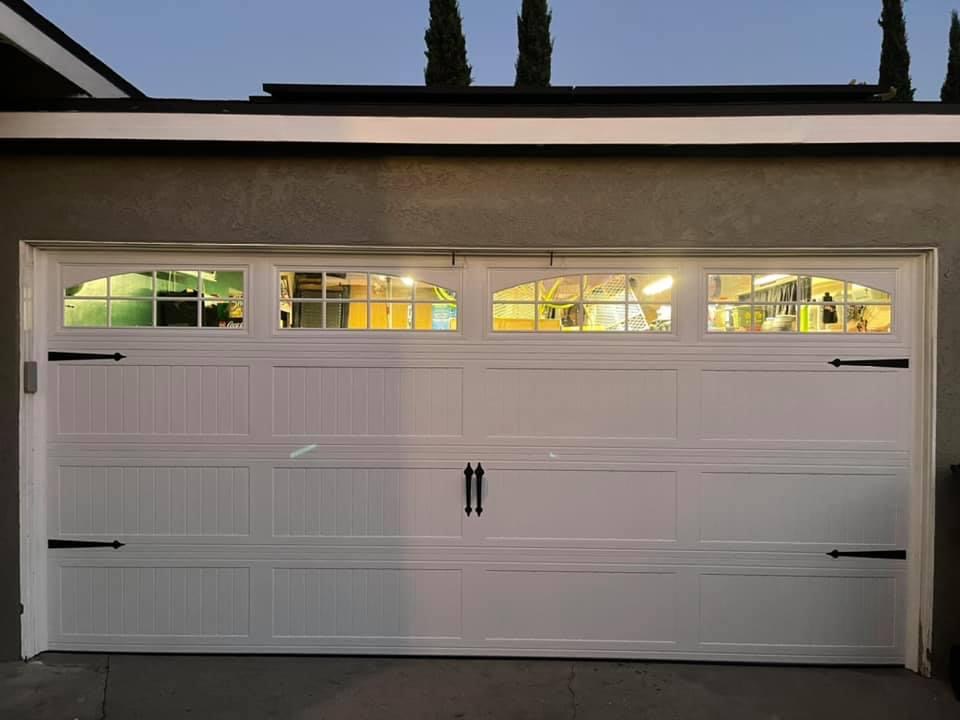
(164, 687)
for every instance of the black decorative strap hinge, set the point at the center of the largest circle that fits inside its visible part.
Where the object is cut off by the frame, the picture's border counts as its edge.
(67, 356)
(882, 362)
(70, 544)
(875, 554)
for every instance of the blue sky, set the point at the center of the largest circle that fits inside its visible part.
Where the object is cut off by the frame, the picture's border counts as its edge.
(228, 48)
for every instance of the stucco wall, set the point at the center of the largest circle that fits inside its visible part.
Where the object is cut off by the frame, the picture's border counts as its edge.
(475, 201)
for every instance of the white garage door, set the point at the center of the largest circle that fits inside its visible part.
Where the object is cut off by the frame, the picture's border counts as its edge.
(667, 455)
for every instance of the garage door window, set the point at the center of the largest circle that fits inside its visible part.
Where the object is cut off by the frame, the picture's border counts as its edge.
(157, 298)
(787, 302)
(327, 300)
(597, 302)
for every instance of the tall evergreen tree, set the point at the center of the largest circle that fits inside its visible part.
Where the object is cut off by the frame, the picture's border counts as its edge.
(534, 44)
(894, 55)
(446, 52)
(950, 92)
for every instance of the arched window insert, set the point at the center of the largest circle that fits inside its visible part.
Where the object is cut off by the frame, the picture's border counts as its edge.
(793, 303)
(349, 300)
(594, 302)
(157, 298)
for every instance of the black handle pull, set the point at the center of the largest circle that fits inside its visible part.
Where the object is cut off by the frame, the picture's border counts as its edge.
(467, 476)
(479, 489)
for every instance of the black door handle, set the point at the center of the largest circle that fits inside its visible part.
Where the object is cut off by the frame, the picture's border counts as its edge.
(467, 476)
(479, 489)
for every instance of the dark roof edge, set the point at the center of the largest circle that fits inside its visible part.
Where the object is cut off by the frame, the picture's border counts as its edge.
(166, 148)
(24, 10)
(505, 110)
(562, 95)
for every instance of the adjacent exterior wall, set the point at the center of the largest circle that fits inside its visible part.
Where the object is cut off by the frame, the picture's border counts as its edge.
(659, 202)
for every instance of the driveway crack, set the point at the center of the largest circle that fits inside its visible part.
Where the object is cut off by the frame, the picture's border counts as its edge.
(573, 694)
(106, 687)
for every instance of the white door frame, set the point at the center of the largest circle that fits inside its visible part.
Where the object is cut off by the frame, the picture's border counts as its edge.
(32, 423)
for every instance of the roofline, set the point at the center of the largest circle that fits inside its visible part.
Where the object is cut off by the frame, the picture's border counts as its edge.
(92, 69)
(515, 107)
(562, 95)
(489, 132)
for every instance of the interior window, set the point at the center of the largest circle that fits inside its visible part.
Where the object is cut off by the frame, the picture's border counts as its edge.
(332, 300)
(157, 298)
(594, 302)
(792, 303)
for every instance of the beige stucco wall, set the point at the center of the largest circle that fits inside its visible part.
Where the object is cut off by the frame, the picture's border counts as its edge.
(663, 202)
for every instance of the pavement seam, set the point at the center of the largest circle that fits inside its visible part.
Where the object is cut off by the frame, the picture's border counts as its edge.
(573, 694)
(106, 685)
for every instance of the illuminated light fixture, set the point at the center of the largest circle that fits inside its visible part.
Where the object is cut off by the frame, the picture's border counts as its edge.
(408, 281)
(657, 287)
(767, 279)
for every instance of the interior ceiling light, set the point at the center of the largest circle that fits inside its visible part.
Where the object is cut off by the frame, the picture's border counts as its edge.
(767, 279)
(657, 287)
(408, 281)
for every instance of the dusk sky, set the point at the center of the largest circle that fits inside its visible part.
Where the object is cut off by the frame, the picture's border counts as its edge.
(228, 48)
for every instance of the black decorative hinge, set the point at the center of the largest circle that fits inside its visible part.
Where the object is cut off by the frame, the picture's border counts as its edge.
(875, 554)
(68, 544)
(66, 356)
(882, 362)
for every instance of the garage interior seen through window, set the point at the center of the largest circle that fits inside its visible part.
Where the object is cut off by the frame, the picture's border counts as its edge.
(594, 302)
(793, 303)
(353, 300)
(157, 298)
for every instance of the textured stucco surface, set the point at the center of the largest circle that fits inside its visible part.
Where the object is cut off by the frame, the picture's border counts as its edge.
(657, 202)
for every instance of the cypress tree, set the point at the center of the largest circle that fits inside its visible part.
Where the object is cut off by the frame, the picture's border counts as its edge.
(534, 44)
(950, 92)
(446, 46)
(894, 55)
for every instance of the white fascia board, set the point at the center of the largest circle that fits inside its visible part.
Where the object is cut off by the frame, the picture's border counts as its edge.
(29, 39)
(663, 131)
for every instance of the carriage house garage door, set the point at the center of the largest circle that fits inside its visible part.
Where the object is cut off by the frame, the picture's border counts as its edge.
(667, 455)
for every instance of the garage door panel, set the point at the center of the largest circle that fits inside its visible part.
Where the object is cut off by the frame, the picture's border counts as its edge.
(755, 405)
(581, 605)
(116, 600)
(379, 401)
(367, 602)
(802, 507)
(149, 500)
(581, 403)
(350, 503)
(800, 611)
(579, 506)
(143, 401)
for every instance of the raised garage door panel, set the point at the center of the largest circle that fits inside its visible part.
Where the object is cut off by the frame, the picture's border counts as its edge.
(359, 503)
(794, 507)
(578, 506)
(149, 500)
(146, 401)
(367, 603)
(582, 606)
(743, 611)
(377, 401)
(582, 403)
(651, 490)
(826, 406)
